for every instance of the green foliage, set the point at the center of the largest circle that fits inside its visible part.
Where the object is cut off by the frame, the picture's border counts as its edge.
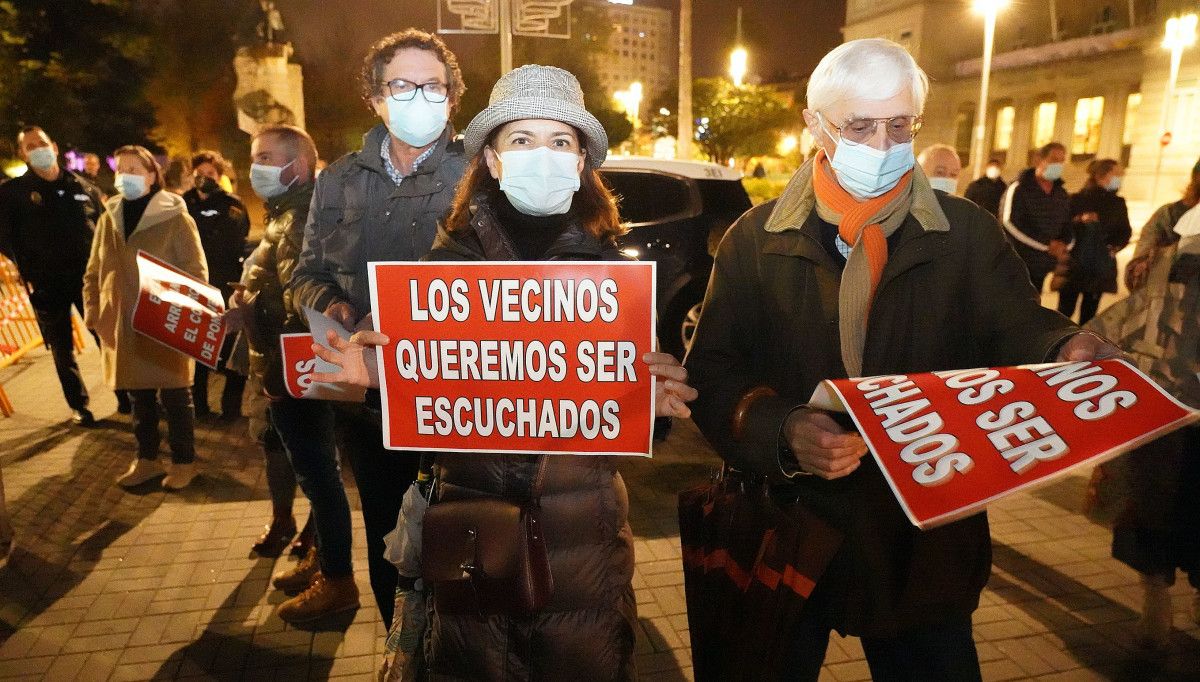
(77, 68)
(741, 122)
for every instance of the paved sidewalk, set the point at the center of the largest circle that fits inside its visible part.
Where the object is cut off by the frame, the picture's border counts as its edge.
(105, 584)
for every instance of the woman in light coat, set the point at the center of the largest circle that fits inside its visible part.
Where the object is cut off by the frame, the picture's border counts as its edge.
(143, 216)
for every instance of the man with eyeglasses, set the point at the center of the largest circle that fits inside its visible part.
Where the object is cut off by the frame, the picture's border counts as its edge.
(382, 203)
(860, 269)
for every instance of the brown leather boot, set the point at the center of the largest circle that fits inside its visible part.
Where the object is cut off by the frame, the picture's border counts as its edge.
(324, 597)
(300, 576)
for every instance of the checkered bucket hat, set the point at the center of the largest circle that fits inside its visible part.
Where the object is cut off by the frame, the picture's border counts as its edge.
(534, 91)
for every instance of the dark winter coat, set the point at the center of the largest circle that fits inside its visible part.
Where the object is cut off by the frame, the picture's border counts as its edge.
(1093, 265)
(586, 632)
(947, 299)
(224, 225)
(987, 193)
(274, 260)
(1032, 218)
(47, 228)
(359, 214)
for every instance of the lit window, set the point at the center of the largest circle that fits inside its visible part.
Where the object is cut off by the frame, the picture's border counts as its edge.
(1086, 135)
(1132, 103)
(1043, 123)
(1005, 119)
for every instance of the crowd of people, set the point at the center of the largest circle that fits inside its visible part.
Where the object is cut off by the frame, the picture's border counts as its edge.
(868, 239)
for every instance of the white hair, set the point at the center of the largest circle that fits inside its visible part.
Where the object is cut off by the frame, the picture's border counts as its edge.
(871, 69)
(932, 149)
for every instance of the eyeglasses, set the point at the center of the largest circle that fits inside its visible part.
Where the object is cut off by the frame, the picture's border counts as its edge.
(899, 129)
(403, 91)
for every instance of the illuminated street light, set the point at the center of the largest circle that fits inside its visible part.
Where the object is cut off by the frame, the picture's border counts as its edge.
(989, 9)
(788, 144)
(631, 102)
(737, 65)
(1180, 34)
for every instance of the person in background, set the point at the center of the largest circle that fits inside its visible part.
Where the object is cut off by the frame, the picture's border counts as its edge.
(1100, 227)
(283, 162)
(224, 224)
(987, 190)
(382, 203)
(794, 281)
(1036, 212)
(47, 220)
(144, 217)
(942, 166)
(98, 174)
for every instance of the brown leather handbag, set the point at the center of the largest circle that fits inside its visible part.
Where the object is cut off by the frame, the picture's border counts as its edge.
(487, 555)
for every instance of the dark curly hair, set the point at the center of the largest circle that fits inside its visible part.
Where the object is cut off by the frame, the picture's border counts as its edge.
(385, 49)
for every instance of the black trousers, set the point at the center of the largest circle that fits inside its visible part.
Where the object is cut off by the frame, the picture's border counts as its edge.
(54, 319)
(181, 418)
(231, 395)
(1068, 295)
(382, 476)
(944, 652)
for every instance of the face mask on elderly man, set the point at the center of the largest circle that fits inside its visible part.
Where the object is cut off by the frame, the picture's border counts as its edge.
(539, 182)
(867, 172)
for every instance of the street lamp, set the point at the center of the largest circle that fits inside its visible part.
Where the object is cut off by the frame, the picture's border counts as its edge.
(1180, 34)
(737, 65)
(989, 9)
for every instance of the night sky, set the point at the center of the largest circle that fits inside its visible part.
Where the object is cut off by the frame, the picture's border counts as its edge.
(784, 36)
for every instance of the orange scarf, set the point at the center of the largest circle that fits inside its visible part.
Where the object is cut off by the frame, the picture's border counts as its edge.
(859, 219)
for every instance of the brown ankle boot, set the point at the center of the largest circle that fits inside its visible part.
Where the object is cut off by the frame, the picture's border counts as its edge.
(300, 576)
(324, 597)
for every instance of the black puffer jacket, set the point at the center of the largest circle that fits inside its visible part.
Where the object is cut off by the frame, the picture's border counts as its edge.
(1032, 218)
(274, 260)
(224, 224)
(586, 632)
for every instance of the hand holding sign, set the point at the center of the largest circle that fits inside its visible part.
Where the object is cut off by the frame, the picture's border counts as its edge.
(672, 393)
(821, 446)
(354, 358)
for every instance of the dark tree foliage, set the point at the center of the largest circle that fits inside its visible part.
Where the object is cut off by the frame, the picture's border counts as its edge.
(78, 68)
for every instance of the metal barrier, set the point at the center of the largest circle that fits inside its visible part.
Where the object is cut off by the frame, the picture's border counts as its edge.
(19, 331)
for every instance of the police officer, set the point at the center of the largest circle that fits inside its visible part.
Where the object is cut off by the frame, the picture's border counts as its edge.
(47, 219)
(223, 223)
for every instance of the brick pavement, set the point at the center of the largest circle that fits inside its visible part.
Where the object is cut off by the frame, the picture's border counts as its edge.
(105, 584)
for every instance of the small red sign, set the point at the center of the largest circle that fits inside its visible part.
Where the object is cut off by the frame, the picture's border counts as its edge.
(299, 363)
(179, 311)
(516, 357)
(952, 442)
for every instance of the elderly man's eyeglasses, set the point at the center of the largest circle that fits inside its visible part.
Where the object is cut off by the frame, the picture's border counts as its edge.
(403, 91)
(899, 129)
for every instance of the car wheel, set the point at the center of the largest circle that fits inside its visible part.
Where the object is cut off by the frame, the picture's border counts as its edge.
(687, 328)
(677, 323)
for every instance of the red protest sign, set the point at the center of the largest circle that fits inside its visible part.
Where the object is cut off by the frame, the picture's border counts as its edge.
(949, 443)
(299, 363)
(516, 357)
(179, 311)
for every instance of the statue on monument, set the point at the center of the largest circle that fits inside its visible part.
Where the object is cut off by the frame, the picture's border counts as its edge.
(270, 28)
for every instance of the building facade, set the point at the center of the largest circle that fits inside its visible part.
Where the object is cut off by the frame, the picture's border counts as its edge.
(1090, 74)
(642, 48)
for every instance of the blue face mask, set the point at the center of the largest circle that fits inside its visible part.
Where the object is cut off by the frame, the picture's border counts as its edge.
(130, 185)
(417, 121)
(265, 182)
(867, 172)
(1113, 184)
(947, 185)
(42, 158)
(1053, 172)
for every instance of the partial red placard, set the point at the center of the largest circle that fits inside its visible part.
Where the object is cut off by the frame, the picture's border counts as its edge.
(179, 310)
(952, 442)
(299, 363)
(516, 357)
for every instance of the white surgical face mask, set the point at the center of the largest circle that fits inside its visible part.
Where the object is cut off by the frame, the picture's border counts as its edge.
(993, 172)
(1113, 184)
(1053, 172)
(265, 182)
(867, 172)
(947, 185)
(539, 182)
(42, 158)
(130, 185)
(417, 122)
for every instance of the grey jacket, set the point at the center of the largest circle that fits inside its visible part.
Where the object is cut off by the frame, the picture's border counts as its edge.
(358, 215)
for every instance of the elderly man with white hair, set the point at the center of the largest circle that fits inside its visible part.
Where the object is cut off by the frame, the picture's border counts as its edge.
(942, 166)
(861, 269)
